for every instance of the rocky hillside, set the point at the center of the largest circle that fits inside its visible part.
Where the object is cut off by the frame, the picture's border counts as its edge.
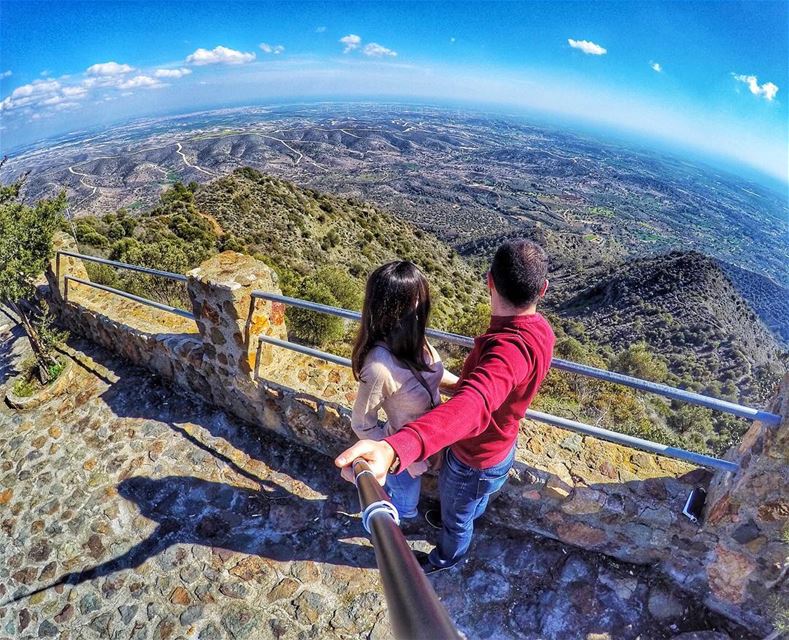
(768, 298)
(298, 231)
(687, 309)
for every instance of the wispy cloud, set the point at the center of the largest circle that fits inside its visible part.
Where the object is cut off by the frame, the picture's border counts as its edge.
(141, 82)
(6, 74)
(766, 90)
(375, 50)
(276, 49)
(74, 92)
(109, 69)
(351, 42)
(656, 66)
(219, 55)
(172, 73)
(588, 47)
(320, 29)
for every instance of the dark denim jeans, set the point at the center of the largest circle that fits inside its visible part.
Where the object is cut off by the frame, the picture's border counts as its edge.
(465, 492)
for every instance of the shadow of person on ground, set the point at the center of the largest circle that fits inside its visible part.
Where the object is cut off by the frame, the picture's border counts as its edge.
(271, 523)
(9, 353)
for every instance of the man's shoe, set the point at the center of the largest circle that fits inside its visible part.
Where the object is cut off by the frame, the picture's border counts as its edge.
(429, 568)
(433, 518)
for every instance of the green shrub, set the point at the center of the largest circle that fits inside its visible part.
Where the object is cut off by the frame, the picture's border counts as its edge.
(640, 362)
(315, 328)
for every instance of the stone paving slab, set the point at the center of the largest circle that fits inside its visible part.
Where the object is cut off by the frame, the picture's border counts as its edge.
(129, 510)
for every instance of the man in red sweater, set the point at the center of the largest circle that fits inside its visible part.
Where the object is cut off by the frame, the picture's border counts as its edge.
(479, 424)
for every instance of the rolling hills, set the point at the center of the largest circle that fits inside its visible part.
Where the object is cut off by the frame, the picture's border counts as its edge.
(685, 307)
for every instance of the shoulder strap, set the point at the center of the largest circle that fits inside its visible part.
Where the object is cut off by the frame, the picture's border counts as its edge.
(421, 379)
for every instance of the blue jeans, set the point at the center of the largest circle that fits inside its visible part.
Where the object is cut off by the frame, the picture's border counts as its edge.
(404, 492)
(464, 492)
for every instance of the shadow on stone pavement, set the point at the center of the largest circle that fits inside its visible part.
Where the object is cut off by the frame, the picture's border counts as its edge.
(10, 357)
(193, 511)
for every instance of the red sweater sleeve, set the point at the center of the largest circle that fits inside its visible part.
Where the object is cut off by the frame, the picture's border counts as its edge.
(502, 366)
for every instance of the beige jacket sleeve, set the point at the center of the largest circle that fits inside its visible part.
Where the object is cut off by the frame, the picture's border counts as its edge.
(374, 388)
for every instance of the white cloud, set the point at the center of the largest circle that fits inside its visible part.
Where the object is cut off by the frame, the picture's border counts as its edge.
(766, 90)
(54, 100)
(276, 49)
(74, 92)
(219, 55)
(140, 82)
(36, 87)
(172, 73)
(375, 50)
(62, 106)
(6, 74)
(656, 66)
(109, 69)
(588, 47)
(351, 42)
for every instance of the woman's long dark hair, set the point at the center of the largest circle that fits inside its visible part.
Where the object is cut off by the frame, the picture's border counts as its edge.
(396, 309)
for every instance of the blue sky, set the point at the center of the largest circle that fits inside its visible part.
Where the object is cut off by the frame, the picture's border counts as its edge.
(710, 76)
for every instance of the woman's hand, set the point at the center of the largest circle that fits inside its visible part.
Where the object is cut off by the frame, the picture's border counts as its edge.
(449, 383)
(448, 389)
(378, 454)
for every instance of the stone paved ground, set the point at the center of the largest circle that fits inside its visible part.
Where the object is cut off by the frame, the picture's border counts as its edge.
(131, 511)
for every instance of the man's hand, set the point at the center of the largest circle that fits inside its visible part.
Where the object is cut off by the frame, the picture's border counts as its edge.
(377, 453)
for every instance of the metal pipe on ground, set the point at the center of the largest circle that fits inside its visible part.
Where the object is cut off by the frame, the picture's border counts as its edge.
(414, 608)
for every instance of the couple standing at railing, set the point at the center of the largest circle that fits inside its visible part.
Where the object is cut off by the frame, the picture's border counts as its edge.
(472, 436)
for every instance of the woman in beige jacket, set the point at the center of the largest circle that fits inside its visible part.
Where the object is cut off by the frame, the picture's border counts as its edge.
(398, 371)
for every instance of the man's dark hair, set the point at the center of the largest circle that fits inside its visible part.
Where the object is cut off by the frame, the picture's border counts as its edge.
(519, 270)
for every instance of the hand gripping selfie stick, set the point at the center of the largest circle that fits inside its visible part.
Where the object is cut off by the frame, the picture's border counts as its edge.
(414, 608)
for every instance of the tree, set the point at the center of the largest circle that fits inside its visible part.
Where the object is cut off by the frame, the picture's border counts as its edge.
(316, 328)
(25, 248)
(637, 360)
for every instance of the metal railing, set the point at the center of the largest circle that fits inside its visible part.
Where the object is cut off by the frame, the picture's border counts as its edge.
(454, 338)
(122, 265)
(547, 418)
(564, 365)
(557, 363)
(125, 294)
(178, 277)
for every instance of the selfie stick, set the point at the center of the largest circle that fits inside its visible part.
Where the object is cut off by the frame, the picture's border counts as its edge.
(414, 608)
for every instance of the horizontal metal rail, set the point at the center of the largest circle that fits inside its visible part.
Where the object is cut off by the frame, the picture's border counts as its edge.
(632, 441)
(556, 421)
(557, 363)
(307, 351)
(130, 296)
(132, 267)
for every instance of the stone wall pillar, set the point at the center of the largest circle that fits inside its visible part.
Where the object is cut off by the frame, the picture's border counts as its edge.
(748, 514)
(228, 318)
(61, 266)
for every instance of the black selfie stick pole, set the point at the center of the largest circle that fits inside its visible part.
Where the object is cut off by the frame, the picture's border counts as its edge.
(414, 608)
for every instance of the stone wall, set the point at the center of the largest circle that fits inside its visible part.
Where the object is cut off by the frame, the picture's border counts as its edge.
(580, 490)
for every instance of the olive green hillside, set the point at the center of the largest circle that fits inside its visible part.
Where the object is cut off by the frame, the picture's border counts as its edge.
(299, 231)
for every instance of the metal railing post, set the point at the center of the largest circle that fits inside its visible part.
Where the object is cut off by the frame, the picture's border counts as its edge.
(414, 608)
